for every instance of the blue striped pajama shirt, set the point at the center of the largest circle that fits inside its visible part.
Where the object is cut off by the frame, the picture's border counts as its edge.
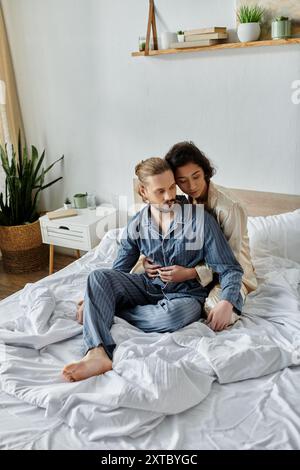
(151, 304)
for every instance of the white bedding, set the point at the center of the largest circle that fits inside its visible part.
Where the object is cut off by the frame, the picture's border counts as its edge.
(193, 389)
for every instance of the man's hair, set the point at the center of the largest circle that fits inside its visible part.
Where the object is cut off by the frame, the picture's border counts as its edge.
(187, 152)
(150, 167)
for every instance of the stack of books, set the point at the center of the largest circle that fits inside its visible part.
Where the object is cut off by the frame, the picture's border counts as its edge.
(202, 37)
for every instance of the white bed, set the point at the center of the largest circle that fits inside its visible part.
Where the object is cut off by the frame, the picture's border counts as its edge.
(193, 389)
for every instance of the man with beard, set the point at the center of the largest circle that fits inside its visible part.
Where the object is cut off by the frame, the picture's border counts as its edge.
(172, 235)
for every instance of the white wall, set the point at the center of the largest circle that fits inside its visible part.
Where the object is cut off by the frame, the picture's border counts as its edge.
(82, 94)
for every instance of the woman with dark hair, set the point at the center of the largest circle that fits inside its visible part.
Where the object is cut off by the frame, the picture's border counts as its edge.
(193, 172)
(155, 305)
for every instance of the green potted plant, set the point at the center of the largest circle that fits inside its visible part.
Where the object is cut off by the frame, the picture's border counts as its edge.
(249, 18)
(180, 36)
(80, 200)
(20, 234)
(281, 28)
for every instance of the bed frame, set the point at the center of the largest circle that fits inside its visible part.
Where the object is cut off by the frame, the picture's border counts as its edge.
(260, 203)
(257, 203)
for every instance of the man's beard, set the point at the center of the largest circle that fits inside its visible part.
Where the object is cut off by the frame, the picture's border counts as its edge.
(166, 207)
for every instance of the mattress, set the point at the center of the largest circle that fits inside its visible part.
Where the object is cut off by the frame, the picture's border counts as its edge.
(193, 389)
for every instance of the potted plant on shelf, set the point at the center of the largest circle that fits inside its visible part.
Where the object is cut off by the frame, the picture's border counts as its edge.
(249, 18)
(281, 28)
(180, 36)
(80, 200)
(20, 235)
(67, 204)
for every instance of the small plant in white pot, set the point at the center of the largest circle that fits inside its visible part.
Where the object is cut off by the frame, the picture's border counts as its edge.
(249, 18)
(281, 28)
(67, 204)
(180, 36)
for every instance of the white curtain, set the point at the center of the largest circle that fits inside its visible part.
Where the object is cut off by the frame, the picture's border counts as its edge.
(10, 114)
(4, 130)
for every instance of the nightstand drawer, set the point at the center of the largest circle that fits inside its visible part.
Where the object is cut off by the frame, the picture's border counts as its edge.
(81, 232)
(67, 236)
(72, 233)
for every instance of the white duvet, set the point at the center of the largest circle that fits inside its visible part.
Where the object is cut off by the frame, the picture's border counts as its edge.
(154, 376)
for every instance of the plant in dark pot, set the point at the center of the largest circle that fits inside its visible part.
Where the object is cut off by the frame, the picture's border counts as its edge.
(20, 234)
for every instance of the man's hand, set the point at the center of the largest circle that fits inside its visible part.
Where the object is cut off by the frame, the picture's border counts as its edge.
(220, 316)
(151, 269)
(79, 313)
(177, 274)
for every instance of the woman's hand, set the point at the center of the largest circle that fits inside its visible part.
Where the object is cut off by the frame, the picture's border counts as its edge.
(177, 274)
(151, 269)
(79, 313)
(220, 316)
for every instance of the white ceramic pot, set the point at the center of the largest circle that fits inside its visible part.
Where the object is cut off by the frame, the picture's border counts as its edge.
(248, 32)
(180, 37)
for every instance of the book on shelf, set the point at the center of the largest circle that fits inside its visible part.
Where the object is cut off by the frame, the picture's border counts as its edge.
(213, 29)
(189, 45)
(199, 37)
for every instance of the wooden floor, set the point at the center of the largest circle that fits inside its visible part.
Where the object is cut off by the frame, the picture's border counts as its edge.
(11, 283)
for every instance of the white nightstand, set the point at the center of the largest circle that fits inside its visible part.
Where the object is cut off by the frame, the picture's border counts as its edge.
(81, 232)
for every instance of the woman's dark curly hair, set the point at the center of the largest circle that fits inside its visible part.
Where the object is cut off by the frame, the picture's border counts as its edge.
(187, 152)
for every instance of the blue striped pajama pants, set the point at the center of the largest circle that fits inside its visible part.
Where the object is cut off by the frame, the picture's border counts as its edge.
(112, 293)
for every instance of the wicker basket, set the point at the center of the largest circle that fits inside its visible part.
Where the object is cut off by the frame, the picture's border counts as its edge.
(22, 248)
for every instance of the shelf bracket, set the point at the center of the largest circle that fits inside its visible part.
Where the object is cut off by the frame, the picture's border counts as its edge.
(151, 24)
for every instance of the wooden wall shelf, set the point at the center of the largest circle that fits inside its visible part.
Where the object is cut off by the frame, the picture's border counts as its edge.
(227, 45)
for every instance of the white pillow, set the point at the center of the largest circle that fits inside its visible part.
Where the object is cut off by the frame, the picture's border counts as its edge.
(277, 235)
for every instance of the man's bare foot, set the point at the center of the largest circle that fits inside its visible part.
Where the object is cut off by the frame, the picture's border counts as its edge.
(96, 362)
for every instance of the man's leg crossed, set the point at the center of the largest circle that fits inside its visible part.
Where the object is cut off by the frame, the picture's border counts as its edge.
(109, 291)
(165, 316)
